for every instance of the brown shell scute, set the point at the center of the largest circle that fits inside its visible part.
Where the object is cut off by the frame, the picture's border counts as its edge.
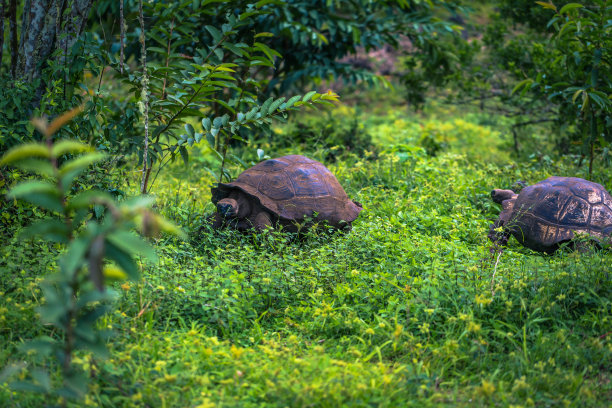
(295, 186)
(552, 211)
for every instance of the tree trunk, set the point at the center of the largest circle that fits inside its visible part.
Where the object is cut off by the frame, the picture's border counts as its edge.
(13, 35)
(2, 7)
(46, 25)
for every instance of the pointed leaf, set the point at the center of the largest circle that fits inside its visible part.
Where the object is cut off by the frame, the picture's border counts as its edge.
(23, 151)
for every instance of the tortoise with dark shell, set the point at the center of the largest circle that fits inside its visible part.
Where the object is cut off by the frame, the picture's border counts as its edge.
(551, 212)
(284, 191)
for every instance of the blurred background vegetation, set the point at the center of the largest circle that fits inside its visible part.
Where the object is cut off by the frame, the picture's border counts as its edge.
(419, 107)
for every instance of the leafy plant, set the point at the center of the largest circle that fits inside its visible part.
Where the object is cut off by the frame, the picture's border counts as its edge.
(96, 249)
(577, 73)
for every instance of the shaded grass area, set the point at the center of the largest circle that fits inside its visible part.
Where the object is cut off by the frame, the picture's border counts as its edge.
(401, 311)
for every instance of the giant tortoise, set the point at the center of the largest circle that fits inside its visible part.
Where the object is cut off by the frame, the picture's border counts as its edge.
(551, 212)
(285, 190)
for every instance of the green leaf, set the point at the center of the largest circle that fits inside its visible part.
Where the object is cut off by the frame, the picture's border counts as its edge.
(547, 5)
(87, 198)
(69, 146)
(264, 107)
(238, 51)
(123, 260)
(42, 167)
(27, 387)
(270, 53)
(292, 101)
(39, 193)
(23, 151)
(184, 154)
(264, 34)
(189, 129)
(216, 34)
(274, 105)
(211, 140)
(206, 124)
(50, 229)
(524, 83)
(81, 162)
(308, 96)
(568, 7)
(74, 257)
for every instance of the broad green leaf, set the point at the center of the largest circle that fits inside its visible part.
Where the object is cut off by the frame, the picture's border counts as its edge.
(123, 259)
(27, 387)
(211, 140)
(184, 154)
(206, 124)
(69, 146)
(39, 193)
(74, 257)
(138, 202)
(27, 150)
(50, 229)
(87, 198)
(42, 167)
(568, 7)
(133, 244)
(81, 162)
(216, 34)
(189, 129)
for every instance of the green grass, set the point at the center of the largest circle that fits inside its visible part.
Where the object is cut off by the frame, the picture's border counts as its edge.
(401, 311)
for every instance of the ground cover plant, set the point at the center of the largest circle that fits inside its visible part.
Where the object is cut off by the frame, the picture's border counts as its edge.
(410, 308)
(404, 310)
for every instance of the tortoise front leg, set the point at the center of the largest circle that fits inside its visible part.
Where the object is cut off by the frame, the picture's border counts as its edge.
(500, 237)
(262, 221)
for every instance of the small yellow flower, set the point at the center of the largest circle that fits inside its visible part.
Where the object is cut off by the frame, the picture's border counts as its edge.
(473, 327)
(369, 331)
(487, 388)
(236, 351)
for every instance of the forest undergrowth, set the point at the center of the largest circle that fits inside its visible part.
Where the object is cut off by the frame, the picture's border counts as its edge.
(408, 309)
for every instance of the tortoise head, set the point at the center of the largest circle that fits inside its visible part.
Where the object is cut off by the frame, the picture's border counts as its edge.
(500, 196)
(237, 205)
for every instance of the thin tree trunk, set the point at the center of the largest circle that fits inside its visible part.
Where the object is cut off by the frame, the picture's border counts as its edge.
(13, 36)
(122, 36)
(145, 100)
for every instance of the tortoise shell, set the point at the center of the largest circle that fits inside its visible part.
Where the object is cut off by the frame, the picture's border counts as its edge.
(552, 211)
(294, 186)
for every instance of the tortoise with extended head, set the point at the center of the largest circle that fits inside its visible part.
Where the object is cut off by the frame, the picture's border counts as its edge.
(284, 191)
(550, 212)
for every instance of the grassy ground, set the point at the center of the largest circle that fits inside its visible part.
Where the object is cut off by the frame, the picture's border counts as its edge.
(408, 309)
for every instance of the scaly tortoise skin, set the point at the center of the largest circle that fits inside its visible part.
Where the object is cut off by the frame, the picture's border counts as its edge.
(551, 212)
(283, 190)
